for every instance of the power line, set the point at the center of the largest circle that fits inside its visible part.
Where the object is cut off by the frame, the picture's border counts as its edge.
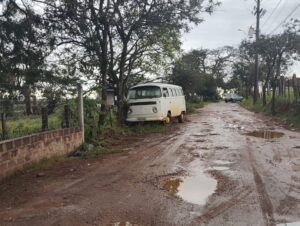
(273, 11)
(285, 19)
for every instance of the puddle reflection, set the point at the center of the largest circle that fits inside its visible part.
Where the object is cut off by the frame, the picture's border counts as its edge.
(266, 134)
(195, 188)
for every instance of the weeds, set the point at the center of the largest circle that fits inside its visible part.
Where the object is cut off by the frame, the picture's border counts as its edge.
(193, 105)
(285, 111)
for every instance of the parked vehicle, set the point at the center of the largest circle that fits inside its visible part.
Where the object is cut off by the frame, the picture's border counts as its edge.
(155, 102)
(232, 97)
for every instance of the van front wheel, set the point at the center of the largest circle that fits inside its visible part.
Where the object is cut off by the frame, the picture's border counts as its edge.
(181, 118)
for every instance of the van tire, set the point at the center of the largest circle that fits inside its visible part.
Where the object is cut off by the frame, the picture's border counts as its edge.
(181, 118)
(168, 119)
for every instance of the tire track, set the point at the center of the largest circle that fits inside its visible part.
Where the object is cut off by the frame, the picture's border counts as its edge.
(263, 197)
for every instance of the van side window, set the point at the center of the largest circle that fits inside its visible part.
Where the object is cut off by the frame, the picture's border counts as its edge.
(175, 92)
(172, 93)
(181, 92)
(165, 92)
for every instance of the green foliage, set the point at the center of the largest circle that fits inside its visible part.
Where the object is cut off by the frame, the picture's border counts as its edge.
(193, 105)
(26, 125)
(84, 151)
(286, 111)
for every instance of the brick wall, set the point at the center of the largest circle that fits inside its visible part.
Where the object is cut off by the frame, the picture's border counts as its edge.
(15, 153)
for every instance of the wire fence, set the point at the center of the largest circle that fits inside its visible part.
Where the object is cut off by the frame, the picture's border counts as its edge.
(20, 118)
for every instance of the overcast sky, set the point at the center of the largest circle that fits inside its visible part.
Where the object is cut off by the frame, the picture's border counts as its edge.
(222, 27)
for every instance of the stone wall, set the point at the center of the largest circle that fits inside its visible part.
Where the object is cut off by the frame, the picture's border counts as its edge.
(16, 153)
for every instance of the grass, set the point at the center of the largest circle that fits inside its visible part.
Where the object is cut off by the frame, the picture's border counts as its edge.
(84, 151)
(193, 105)
(26, 125)
(287, 112)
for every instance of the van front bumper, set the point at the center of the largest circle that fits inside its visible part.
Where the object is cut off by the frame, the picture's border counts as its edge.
(143, 118)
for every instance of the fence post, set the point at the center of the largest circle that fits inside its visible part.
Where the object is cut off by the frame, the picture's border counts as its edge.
(67, 116)
(80, 109)
(288, 85)
(44, 112)
(4, 127)
(295, 87)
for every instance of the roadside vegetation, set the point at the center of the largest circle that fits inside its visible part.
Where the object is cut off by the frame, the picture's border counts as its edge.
(286, 112)
(279, 91)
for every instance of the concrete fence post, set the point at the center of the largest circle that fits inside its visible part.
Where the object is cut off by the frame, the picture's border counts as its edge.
(80, 109)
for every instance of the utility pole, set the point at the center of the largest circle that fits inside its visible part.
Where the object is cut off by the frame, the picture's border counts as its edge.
(256, 75)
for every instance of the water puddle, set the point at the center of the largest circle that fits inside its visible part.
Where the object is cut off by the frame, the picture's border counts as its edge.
(222, 162)
(289, 224)
(214, 134)
(220, 168)
(234, 126)
(266, 134)
(127, 223)
(195, 188)
(199, 135)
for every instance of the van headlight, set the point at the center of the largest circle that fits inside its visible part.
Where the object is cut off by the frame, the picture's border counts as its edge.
(129, 111)
(154, 109)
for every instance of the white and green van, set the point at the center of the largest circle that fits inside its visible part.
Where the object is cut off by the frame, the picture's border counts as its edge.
(155, 102)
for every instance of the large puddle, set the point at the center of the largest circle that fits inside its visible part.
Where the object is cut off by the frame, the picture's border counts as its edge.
(195, 188)
(266, 134)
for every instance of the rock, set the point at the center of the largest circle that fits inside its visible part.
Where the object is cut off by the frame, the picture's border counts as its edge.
(41, 174)
(90, 147)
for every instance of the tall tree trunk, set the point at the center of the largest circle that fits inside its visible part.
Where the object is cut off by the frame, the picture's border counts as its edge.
(121, 85)
(27, 95)
(274, 83)
(273, 97)
(264, 94)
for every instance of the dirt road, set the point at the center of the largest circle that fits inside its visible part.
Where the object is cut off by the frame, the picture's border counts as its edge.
(226, 166)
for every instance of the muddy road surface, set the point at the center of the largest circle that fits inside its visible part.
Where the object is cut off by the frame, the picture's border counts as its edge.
(225, 166)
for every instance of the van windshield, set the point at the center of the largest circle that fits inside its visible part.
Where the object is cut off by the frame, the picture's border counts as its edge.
(144, 92)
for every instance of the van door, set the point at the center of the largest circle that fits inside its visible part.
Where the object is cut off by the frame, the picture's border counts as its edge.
(166, 102)
(172, 101)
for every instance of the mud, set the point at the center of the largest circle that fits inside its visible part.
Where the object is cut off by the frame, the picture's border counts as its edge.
(224, 166)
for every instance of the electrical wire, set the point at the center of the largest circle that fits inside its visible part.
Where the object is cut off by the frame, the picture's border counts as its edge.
(273, 11)
(285, 19)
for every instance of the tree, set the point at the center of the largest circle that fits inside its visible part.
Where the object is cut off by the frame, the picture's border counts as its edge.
(119, 36)
(193, 72)
(23, 49)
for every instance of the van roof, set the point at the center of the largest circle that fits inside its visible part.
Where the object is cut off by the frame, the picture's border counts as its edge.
(157, 84)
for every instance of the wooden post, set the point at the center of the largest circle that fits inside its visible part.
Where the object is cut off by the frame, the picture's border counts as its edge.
(67, 116)
(295, 87)
(44, 119)
(4, 127)
(110, 116)
(80, 109)
(288, 85)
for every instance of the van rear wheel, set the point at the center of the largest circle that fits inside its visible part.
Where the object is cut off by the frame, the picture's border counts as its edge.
(181, 118)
